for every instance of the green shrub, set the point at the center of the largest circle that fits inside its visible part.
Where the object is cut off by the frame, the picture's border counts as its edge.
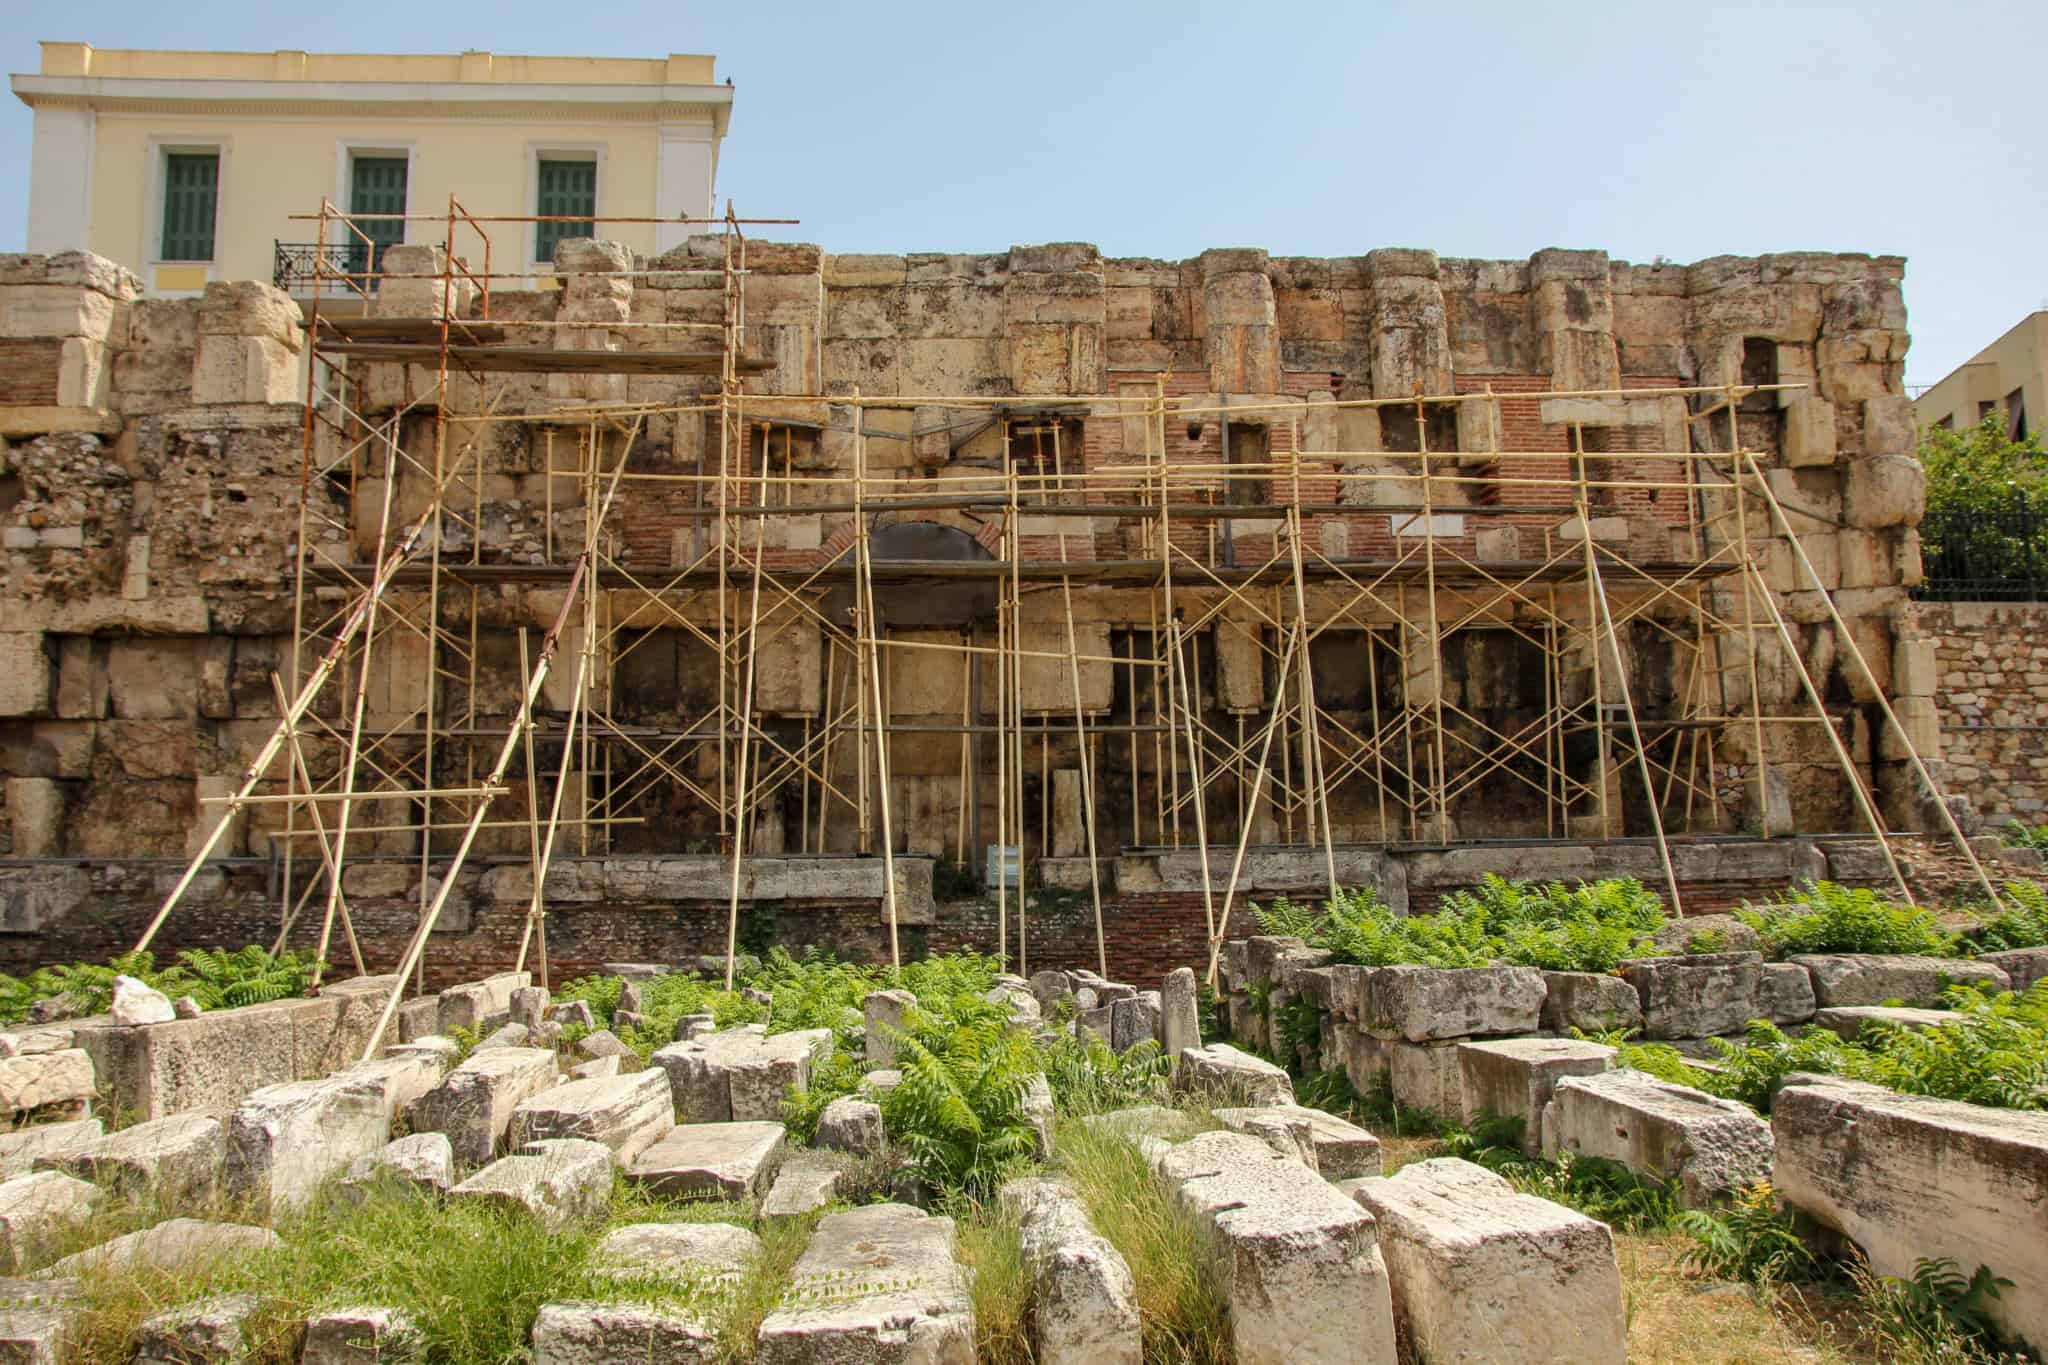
(1591, 927)
(1752, 1240)
(1826, 918)
(214, 978)
(2022, 924)
(1598, 1188)
(1088, 1077)
(2017, 834)
(959, 1109)
(1936, 1314)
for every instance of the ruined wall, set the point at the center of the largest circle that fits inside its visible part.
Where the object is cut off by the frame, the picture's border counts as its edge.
(1989, 661)
(150, 495)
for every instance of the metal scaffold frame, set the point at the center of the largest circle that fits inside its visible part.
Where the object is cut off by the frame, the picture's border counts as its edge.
(389, 737)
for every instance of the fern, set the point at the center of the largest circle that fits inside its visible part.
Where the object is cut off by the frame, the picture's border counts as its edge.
(959, 1109)
(2023, 924)
(1826, 918)
(1937, 1312)
(1751, 1241)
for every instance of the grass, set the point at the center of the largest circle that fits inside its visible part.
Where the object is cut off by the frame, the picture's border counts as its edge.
(992, 1252)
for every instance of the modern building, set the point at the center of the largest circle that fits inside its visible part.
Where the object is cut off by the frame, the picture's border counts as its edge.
(190, 166)
(2008, 377)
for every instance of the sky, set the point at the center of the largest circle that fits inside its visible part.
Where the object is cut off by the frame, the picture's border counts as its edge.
(1327, 130)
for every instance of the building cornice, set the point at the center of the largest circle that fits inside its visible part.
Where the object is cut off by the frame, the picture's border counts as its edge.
(407, 99)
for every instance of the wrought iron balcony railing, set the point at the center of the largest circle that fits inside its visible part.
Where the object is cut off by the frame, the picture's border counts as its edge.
(340, 265)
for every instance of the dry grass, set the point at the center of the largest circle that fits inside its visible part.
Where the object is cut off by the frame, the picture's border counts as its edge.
(1679, 1319)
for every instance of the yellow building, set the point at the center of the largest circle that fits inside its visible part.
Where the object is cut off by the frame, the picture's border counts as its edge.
(188, 166)
(2008, 377)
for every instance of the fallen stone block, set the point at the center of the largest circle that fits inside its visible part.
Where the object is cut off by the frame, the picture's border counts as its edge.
(1590, 1002)
(578, 1333)
(711, 1160)
(176, 1159)
(285, 1139)
(1877, 978)
(603, 1043)
(805, 1183)
(212, 1062)
(739, 1074)
(1421, 1004)
(1341, 1150)
(506, 1035)
(598, 1069)
(1363, 1058)
(703, 1252)
(212, 1329)
(1695, 996)
(1847, 1021)
(53, 1082)
(1426, 1077)
(851, 1125)
(1144, 1120)
(1907, 1177)
(575, 1014)
(21, 1149)
(401, 1078)
(419, 1018)
(34, 1325)
(875, 1284)
(36, 1211)
(361, 1336)
(169, 1245)
(2023, 966)
(136, 1003)
(628, 1114)
(1302, 1268)
(1134, 1021)
(1482, 1274)
(1084, 1307)
(1512, 1078)
(1784, 993)
(1285, 1132)
(423, 1161)
(480, 1005)
(473, 1104)
(883, 1013)
(561, 1182)
(1711, 1147)
(1221, 1070)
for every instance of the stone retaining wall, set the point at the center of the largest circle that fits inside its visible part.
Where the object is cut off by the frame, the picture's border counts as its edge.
(1992, 661)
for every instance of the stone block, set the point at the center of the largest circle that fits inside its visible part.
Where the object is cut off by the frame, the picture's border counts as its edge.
(628, 1114)
(1341, 1150)
(1847, 1021)
(1784, 993)
(25, 675)
(1423, 1003)
(739, 1074)
(851, 1125)
(170, 1245)
(712, 1160)
(1180, 1025)
(1590, 1001)
(806, 1182)
(361, 1336)
(55, 1081)
(1710, 1147)
(1085, 1309)
(35, 814)
(559, 1182)
(1809, 431)
(883, 1013)
(1482, 1273)
(879, 1284)
(177, 1160)
(215, 1328)
(1884, 490)
(481, 1004)
(1876, 978)
(475, 1102)
(1907, 1177)
(425, 1161)
(1425, 1076)
(1301, 1265)
(23, 1149)
(37, 1211)
(1222, 1070)
(1696, 995)
(1513, 1078)
(284, 1140)
(1134, 1020)
(2023, 966)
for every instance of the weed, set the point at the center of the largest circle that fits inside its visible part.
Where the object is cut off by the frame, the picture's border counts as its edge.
(1936, 1314)
(993, 1252)
(1752, 1240)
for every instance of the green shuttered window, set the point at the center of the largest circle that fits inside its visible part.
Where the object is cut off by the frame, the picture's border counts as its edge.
(376, 186)
(568, 189)
(191, 193)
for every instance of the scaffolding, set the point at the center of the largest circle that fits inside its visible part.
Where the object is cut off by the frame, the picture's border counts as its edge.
(1234, 670)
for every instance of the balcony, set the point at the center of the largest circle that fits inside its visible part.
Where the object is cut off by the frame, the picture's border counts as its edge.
(339, 267)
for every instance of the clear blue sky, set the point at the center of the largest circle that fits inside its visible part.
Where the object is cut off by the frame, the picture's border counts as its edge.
(1161, 129)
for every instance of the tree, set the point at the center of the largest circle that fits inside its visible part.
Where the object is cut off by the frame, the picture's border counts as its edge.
(1986, 530)
(1981, 469)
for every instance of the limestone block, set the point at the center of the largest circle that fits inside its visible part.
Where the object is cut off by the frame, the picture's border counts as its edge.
(425, 1161)
(214, 1328)
(1514, 1077)
(1047, 684)
(1874, 978)
(1084, 1299)
(880, 1284)
(1906, 1177)
(177, 1160)
(1134, 1020)
(1916, 666)
(1884, 490)
(580, 1333)
(25, 674)
(169, 1245)
(361, 1336)
(1338, 1149)
(1809, 431)
(1482, 1273)
(1889, 427)
(1240, 667)
(1711, 1147)
(788, 669)
(35, 812)
(36, 1211)
(1222, 1070)
(628, 1114)
(1425, 1076)
(714, 1160)
(1920, 719)
(1422, 1003)
(1784, 993)
(1180, 1023)
(284, 1140)
(24, 1149)
(1591, 1001)
(48, 1080)
(249, 308)
(883, 1012)
(559, 1182)
(739, 1074)
(245, 369)
(1697, 995)
(2025, 966)
(35, 1324)
(1302, 1267)
(1847, 1021)
(413, 284)
(851, 1125)
(482, 1004)
(474, 1104)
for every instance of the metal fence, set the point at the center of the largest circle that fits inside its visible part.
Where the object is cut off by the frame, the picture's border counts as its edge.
(298, 263)
(1997, 554)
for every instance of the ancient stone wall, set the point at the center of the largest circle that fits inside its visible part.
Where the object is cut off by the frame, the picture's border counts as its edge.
(1990, 664)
